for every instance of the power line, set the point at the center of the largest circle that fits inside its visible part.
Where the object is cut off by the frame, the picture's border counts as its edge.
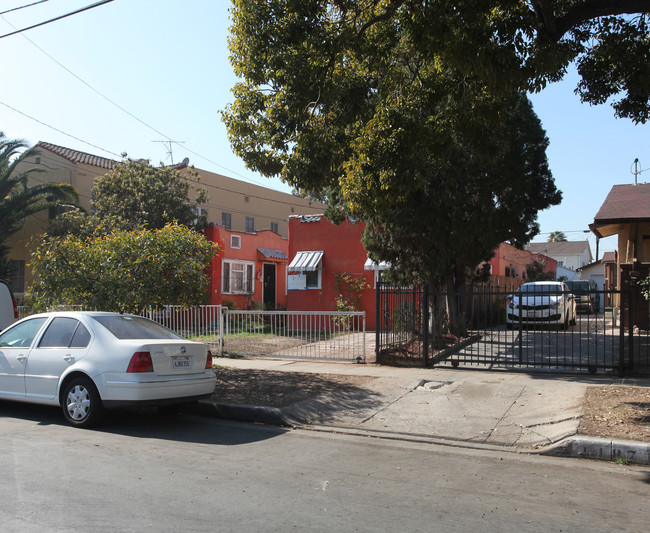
(169, 139)
(58, 130)
(23, 7)
(81, 10)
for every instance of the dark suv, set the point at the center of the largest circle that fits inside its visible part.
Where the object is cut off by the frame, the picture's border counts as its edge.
(586, 295)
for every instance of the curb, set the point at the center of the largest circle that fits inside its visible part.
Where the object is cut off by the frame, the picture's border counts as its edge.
(601, 449)
(246, 413)
(577, 447)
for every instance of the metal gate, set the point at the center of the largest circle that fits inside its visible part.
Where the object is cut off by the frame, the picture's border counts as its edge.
(597, 342)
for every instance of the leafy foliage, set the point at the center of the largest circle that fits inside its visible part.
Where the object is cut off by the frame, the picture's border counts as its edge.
(535, 272)
(136, 194)
(354, 99)
(20, 199)
(122, 271)
(557, 236)
(350, 289)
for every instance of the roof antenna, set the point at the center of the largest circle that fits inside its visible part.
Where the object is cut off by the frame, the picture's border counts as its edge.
(169, 143)
(636, 170)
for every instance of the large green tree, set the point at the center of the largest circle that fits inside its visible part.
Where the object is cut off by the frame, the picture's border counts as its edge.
(348, 98)
(338, 99)
(122, 271)
(138, 248)
(20, 198)
(140, 195)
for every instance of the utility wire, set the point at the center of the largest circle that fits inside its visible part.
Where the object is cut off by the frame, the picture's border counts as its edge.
(169, 139)
(58, 130)
(23, 7)
(81, 10)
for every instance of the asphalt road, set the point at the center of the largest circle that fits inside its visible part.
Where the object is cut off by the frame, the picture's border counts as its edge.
(146, 471)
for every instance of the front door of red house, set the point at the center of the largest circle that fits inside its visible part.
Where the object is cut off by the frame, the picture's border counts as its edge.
(269, 285)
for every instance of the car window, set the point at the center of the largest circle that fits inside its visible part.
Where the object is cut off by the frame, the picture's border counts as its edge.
(59, 333)
(22, 334)
(134, 327)
(64, 332)
(81, 337)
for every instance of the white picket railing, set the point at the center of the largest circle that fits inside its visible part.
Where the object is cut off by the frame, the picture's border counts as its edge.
(318, 335)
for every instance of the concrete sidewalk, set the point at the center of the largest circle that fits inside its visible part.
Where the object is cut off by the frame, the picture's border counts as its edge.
(496, 409)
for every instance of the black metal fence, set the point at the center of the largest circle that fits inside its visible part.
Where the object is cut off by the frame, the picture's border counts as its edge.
(489, 327)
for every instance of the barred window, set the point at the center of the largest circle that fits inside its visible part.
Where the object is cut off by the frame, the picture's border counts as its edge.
(238, 277)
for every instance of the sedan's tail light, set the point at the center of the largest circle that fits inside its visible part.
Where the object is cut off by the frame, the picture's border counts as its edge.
(13, 301)
(140, 362)
(208, 361)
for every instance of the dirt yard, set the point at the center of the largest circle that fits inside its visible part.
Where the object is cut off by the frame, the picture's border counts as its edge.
(616, 412)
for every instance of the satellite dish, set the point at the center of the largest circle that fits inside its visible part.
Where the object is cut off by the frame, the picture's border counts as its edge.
(186, 161)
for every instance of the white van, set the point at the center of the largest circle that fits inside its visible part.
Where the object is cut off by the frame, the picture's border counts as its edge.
(8, 308)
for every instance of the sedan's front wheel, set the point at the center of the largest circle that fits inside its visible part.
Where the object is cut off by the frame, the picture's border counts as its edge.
(82, 406)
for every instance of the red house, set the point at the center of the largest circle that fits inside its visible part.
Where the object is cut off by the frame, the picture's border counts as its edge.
(508, 265)
(251, 268)
(320, 252)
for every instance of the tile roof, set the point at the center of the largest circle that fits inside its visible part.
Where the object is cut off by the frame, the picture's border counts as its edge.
(625, 203)
(78, 157)
(558, 248)
(272, 253)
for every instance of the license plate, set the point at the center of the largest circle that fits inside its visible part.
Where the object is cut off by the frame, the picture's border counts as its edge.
(181, 362)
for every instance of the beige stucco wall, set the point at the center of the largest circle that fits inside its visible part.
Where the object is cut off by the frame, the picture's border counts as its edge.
(242, 199)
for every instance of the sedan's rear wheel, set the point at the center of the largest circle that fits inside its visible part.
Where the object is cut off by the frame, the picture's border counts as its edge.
(81, 403)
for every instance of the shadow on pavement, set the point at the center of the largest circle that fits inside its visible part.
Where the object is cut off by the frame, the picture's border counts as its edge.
(149, 423)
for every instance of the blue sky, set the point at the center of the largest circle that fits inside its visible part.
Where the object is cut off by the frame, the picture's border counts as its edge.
(165, 64)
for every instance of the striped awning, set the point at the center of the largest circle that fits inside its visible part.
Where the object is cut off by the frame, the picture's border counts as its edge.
(372, 265)
(306, 261)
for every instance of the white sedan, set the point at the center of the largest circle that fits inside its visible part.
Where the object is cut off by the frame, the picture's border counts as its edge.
(87, 362)
(541, 303)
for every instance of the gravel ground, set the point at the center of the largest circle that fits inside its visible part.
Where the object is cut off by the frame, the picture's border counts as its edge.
(615, 412)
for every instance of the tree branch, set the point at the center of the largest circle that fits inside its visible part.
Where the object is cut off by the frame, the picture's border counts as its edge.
(552, 28)
(386, 15)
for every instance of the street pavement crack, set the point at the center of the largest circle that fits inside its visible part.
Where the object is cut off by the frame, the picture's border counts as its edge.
(521, 392)
(387, 406)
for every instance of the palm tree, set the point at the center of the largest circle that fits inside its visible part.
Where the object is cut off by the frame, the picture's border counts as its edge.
(18, 199)
(556, 236)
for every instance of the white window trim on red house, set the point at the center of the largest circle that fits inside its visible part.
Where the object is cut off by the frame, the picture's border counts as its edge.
(238, 277)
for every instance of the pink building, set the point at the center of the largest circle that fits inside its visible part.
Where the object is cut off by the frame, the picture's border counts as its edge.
(251, 268)
(509, 264)
(319, 251)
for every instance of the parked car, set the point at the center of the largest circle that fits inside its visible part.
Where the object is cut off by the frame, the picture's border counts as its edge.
(543, 303)
(586, 295)
(8, 307)
(87, 362)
